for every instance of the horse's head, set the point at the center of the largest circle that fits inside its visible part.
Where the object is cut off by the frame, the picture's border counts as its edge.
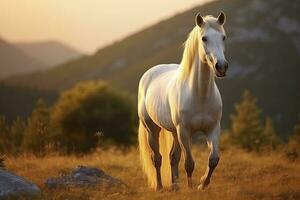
(211, 42)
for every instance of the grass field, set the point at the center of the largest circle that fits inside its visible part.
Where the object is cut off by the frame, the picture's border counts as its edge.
(239, 175)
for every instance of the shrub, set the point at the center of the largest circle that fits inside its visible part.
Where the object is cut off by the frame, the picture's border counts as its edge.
(226, 140)
(17, 130)
(270, 139)
(293, 151)
(88, 108)
(4, 135)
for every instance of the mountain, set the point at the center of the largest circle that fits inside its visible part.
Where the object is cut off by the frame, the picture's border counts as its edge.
(51, 53)
(263, 50)
(18, 101)
(15, 61)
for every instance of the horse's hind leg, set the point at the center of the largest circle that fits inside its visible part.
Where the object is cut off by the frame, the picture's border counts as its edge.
(153, 140)
(175, 155)
(213, 145)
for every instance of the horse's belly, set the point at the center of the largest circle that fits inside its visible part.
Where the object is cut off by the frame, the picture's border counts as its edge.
(160, 114)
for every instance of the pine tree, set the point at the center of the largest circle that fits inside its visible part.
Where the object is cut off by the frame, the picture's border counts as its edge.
(270, 137)
(36, 137)
(246, 125)
(16, 134)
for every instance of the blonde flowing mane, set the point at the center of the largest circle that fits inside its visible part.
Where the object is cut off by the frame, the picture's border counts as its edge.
(190, 50)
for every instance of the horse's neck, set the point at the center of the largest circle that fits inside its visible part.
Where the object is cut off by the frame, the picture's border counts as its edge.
(201, 80)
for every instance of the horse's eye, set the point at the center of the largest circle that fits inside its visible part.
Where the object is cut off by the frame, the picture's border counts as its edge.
(224, 37)
(204, 39)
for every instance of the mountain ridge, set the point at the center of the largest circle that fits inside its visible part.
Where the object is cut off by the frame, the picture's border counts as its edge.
(49, 52)
(15, 61)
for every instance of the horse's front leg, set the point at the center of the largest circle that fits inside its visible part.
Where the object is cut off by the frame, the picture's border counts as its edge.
(184, 138)
(213, 159)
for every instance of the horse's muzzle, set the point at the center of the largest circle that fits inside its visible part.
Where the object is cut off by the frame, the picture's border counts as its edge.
(221, 68)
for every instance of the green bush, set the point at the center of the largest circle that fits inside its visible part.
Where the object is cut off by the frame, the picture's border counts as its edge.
(88, 108)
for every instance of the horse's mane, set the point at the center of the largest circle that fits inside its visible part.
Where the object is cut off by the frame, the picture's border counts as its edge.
(190, 49)
(191, 44)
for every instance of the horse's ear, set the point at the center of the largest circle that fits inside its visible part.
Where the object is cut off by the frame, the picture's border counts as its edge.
(221, 18)
(199, 20)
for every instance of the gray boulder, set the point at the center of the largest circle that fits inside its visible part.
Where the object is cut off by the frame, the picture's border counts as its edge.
(13, 185)
(83, 176)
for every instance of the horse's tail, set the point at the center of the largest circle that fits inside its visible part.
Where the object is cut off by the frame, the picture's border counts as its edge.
(165, 146)
(145, 156)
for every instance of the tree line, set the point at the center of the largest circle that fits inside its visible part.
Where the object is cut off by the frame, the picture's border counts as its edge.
(90, 115)
(94, 114)
(250, 132)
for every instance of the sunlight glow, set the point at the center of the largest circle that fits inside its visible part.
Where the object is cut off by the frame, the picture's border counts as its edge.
(84, 24)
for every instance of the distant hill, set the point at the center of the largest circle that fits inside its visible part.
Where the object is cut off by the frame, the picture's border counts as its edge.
(51, 53)
(263, 49)
(19, 101)
(15, 61)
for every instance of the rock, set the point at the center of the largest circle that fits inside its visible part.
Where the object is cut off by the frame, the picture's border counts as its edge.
(13, 185)
(83, 176)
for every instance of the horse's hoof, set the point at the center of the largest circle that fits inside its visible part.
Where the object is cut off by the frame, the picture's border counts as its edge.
(201, 187)
(191, 186)
(174, 187)
(159, 189)
(203, 184)
(190, 183)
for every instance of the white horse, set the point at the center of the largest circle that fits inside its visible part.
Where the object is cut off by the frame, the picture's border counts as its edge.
(175, 101)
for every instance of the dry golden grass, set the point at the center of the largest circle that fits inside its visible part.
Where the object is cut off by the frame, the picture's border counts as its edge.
(239, 175)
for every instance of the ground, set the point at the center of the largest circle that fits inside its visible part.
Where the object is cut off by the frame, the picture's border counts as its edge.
(239, 175)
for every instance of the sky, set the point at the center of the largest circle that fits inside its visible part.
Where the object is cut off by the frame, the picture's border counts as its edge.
(85, 25)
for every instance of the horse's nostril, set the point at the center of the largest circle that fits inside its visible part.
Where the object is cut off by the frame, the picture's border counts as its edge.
(217, 66)
(221, 67)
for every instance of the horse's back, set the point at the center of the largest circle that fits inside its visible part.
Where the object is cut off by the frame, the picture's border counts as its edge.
(162, 71)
